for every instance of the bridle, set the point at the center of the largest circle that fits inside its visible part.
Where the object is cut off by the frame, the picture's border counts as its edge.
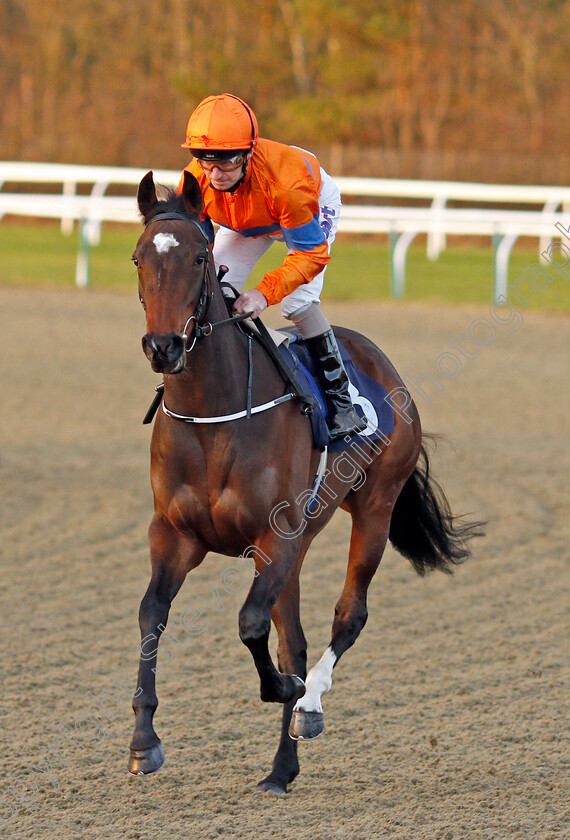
(199, 330)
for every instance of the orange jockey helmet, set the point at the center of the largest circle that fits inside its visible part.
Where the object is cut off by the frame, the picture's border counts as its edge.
(220, 127)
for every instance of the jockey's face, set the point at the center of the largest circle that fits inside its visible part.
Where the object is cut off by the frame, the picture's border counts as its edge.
(223, 175)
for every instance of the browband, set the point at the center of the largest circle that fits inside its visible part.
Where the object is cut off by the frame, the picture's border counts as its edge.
(180, 217)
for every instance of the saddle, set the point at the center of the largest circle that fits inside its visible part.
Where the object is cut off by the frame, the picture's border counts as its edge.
(369, 397)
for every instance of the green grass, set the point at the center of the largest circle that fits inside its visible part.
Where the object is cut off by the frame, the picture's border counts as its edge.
(39, 255)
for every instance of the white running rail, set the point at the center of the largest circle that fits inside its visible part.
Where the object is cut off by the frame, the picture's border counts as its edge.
(401, 223)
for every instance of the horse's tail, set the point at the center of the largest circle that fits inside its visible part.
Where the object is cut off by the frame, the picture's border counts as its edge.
(422, 526)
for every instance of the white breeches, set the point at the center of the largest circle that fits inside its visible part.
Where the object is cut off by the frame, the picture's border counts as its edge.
(240, 253)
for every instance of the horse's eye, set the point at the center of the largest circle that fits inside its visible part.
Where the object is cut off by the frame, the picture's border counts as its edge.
(136, 262)
(200, 259)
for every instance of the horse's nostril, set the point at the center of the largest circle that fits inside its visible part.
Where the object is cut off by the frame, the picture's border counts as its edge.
(149, 345)
(164, 351)
(171, 347)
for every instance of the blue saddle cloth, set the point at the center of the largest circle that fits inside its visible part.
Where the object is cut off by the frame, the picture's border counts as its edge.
(370, 399)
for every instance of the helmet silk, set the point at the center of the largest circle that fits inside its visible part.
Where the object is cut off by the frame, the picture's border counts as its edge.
(221, 122)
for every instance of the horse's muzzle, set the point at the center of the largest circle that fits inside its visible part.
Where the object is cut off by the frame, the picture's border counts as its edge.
(164, 352)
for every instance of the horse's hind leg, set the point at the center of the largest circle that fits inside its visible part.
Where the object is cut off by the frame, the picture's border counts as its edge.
(371, 525)
(292, 659)
(172, 555)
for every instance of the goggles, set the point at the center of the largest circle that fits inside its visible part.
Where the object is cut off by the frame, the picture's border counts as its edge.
(221, 159)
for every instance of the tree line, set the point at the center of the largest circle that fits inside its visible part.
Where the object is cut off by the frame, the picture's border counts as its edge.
(114, 81)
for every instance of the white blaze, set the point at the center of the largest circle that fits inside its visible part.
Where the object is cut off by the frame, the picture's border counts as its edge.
(163, 242)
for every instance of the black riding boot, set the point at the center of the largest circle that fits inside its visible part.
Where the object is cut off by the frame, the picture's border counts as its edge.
(342, 417)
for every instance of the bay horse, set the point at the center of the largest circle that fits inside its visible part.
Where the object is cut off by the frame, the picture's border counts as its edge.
(233, 486)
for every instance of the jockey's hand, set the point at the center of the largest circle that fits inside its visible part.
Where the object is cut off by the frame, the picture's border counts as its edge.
(250, 301)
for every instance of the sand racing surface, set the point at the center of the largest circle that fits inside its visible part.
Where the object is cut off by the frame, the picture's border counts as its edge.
(447, 720)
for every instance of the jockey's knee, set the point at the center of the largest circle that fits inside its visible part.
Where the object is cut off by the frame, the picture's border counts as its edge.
(310, 320)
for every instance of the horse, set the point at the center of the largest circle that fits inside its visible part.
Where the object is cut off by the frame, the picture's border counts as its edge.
(228, 479)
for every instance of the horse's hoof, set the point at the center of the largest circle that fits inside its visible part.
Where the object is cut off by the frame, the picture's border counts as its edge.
(306, 726)
(144, 762)
(271, 787)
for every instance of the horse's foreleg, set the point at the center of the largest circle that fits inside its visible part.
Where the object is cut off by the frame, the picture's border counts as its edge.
(172, 555)
(274, 563)
(292, 659)
(369, 535)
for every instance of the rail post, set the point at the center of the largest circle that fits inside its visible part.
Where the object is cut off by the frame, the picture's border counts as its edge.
(83, 253)
(502, 254)
(399, 262)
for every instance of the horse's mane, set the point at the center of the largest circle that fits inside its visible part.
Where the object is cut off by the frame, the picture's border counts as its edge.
(169, 202)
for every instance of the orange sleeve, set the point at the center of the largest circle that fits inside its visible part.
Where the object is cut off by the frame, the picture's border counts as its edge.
(297, 209)
(298, 267)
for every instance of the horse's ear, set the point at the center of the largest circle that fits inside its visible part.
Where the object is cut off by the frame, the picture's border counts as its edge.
(146, 196)
(192, 194)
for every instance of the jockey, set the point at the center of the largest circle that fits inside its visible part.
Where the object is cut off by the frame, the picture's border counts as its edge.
(260, 192)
